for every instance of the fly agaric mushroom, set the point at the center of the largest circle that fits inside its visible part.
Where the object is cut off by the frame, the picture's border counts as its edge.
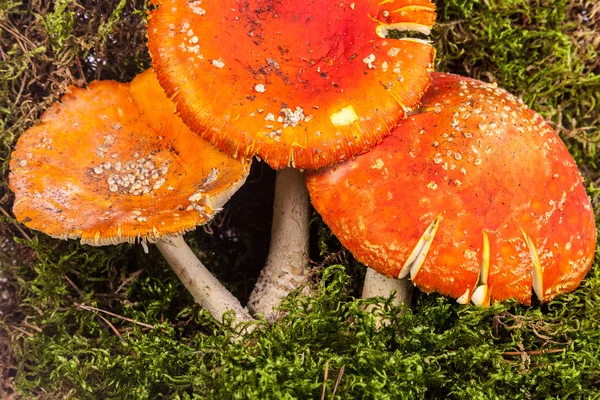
(475, 197)
(113, 163)
(300, 84)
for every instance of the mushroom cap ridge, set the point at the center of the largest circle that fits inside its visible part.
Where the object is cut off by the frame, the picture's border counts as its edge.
(475, 166)
(112, 163)
(299, 83)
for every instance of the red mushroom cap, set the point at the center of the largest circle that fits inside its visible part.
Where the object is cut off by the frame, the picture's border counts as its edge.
(474, 194)
(299, 83)
(112, 163)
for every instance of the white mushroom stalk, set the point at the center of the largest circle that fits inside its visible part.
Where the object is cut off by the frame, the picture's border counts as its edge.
(206, 289)
(377, 284)
(286, 268)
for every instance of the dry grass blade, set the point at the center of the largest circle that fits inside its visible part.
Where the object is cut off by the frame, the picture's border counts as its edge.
(325, 380)
(7, 215)
(532, 352)
(338, 381)
(90, 308)
(112, 327)
(128, 280)
(16, 328)
(74, 286)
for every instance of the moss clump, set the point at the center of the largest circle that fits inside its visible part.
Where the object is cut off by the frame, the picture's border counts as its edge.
(543, 51)
(436, 350)
(158, 343)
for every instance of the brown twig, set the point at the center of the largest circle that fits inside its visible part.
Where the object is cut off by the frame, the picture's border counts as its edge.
(90, 308)
(111, 327)
(34, 327)
(74, 286)
(128, 280)
(532, 352)
(325, 380)
(7, 215)
(338, 381)
(22, 330)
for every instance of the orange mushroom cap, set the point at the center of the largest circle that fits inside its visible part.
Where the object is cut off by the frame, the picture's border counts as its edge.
(299, 83)
(474, 194)
(112, 163)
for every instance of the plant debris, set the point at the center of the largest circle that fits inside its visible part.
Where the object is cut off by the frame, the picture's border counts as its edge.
(327, 346)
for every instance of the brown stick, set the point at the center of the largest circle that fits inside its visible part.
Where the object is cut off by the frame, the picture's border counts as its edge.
(6, 214)
(90, 308)
(532, 352)
(338, 381)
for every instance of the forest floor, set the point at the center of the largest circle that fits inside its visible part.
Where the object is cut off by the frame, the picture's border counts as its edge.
(160, 344)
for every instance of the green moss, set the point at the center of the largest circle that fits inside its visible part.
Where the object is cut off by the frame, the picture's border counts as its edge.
(436, 350)
(544, 51)
(59, 24)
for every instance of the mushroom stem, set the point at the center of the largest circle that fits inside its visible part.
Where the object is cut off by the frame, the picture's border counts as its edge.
(206, 289)
(377, 284)
(286, 268)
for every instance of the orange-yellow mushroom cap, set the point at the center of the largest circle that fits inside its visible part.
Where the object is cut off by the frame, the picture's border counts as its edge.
(299, 83)
(476, 197)
(113, 163)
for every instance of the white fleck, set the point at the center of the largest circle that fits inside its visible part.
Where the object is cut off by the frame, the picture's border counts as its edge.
(393, 52)
(109, 139)
(470, 254)
(344, 117)
(195, 7)
(378, 164)
(218, 63)
(369, 60)
(292, 117)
